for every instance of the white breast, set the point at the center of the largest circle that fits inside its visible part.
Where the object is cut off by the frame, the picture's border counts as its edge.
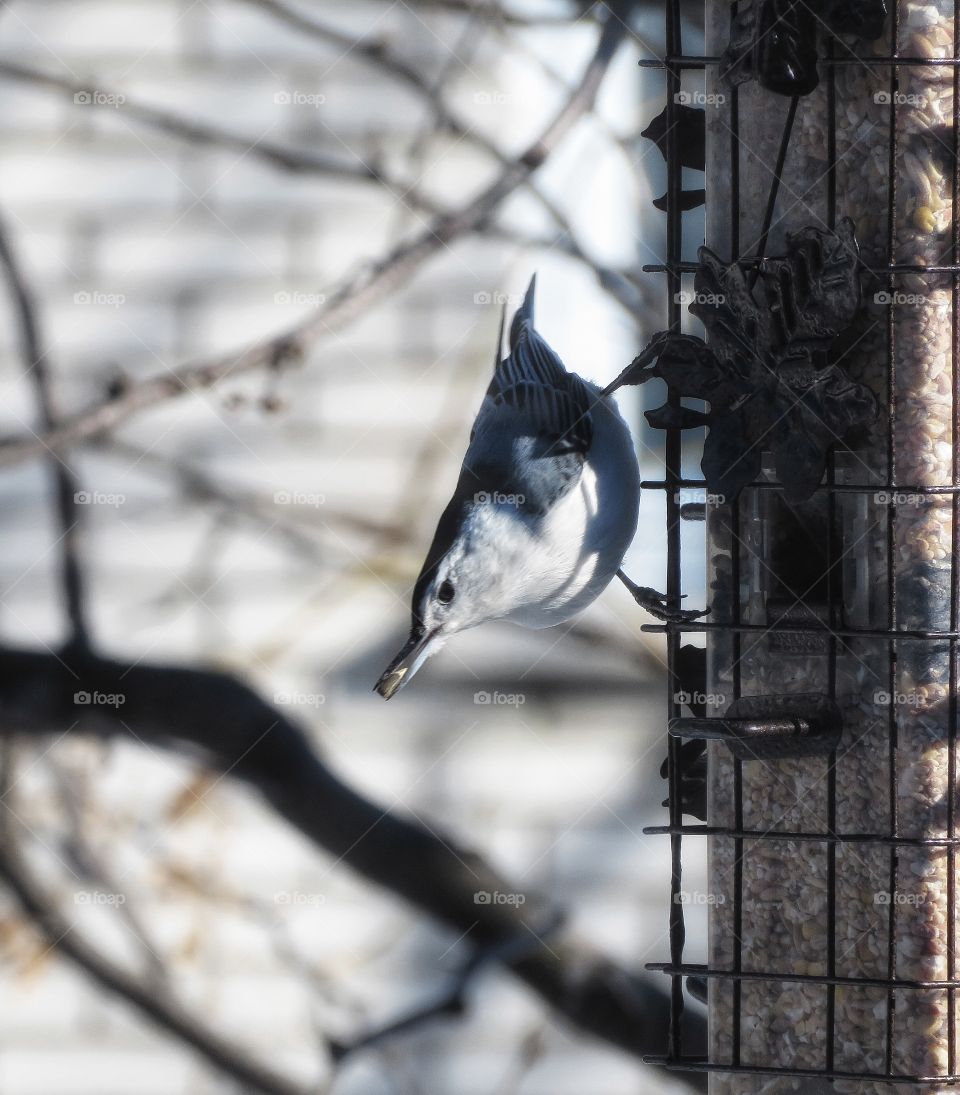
(584, 538)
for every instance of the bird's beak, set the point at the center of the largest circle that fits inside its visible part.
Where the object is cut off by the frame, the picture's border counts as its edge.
(415, 652)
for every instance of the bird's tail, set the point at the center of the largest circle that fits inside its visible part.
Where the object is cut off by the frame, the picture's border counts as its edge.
(524, 314)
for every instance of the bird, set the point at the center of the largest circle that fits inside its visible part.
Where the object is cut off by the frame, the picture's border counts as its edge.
(544, 509)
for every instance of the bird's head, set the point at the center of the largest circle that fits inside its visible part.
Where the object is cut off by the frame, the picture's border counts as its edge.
(470, 576)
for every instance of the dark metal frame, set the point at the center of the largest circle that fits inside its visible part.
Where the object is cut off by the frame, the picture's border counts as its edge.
(674, 63)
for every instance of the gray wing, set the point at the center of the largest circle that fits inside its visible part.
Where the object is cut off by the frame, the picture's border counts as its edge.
(534, 428)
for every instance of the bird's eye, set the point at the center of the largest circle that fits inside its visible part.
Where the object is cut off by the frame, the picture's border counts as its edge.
(445, 593)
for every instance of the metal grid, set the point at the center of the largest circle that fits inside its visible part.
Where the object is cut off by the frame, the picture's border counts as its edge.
(676, 1057)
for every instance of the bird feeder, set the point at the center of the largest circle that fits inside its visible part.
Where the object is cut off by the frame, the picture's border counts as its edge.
(826, 702)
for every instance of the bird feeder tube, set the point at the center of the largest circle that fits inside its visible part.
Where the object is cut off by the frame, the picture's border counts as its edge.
(832, 919)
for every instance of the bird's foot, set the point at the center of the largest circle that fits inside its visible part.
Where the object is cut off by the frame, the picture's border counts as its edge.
(656, 603)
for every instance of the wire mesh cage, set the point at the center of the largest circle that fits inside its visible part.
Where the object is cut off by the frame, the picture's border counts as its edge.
(827, 697)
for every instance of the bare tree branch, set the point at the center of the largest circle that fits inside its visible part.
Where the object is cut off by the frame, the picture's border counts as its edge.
(354, 296)
(154, 1001)
(96, 96)
(36, 368)
(376, 53)
(240, 735)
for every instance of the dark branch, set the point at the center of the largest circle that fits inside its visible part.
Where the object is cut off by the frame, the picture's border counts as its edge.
(36, 368)
(235, 732)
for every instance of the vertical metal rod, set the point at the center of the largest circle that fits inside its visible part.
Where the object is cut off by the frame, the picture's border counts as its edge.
(893, 733)
(737, 646)
(954, 582)
(672, 474)
(834, 595)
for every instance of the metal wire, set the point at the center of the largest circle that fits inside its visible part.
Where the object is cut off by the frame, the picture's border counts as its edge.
(838, 639)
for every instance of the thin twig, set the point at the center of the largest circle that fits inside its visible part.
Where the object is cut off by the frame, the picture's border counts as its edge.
(353, 297)
(152, 1001)
(36, 369)
(375, 53)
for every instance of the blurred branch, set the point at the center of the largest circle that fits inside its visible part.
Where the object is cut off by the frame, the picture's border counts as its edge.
(36, 368)
(188, 129)
(88, 864)
(355, 295)
(453, 1002)
(240, 735)
(497, 13)
(152, 1000)
(376, 53)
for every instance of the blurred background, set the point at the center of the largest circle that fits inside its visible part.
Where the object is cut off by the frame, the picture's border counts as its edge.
(180, 181)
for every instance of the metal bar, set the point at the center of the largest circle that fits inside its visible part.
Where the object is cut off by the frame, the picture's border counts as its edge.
(790, 834)
(696, 969)
(698, 1064)
(672, 471)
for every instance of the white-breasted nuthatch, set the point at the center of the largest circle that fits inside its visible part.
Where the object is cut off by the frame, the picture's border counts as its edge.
(543, 512)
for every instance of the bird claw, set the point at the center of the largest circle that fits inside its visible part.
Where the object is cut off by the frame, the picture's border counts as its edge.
(656, 604)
